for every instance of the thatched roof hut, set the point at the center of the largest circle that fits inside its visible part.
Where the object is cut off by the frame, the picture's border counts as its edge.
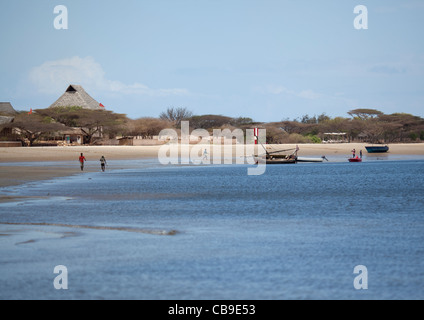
(6, 109)
(6, 120)
(76, 96)
(7, 113)
(73, 136)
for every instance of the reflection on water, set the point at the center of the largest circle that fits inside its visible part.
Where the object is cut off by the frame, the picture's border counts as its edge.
(126, 229)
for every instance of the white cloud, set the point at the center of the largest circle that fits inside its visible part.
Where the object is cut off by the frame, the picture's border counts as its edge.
(309, 94)
(54, 76)
(316, 98)
(279, 90)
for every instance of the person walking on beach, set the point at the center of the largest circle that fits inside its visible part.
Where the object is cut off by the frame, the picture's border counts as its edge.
(205, 154)
(82, 160)
(103, 163)
(360, 154)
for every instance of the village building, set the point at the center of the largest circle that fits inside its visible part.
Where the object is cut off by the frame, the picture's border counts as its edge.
(76, 96)
(7, 115)
(72, 136)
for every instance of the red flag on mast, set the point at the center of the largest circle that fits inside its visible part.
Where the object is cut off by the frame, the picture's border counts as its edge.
(256, 134)
(101, 106)
(30, 111)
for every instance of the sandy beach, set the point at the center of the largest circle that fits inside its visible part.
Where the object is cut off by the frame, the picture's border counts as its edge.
(11, 174)
(11, 155)
(38, 154)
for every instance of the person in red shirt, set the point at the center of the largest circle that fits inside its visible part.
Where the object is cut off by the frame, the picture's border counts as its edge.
(82, 160)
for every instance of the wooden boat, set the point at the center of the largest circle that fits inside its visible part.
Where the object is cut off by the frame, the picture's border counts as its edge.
(276, 157)
(281, 161)
(357, 159)
(276, 160)
(377, 149)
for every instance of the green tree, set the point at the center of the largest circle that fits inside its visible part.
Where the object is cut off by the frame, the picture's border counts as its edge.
(210, 121)
(91, 122)
(31, 127)
(413, 136)
(147, 127)
(365, 114)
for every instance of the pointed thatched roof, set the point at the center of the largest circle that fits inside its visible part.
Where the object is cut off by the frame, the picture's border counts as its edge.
(76, 96)
(6, 109)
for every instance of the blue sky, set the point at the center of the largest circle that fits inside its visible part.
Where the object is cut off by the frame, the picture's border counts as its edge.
(265, 59)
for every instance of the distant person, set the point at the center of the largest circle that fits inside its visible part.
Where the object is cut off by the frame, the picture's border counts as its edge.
(360, 154)
(354, 153)
(205, 154)
(103, 163)
(82, 160)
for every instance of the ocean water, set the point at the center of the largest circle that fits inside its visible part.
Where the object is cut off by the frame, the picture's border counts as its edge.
(213, 232)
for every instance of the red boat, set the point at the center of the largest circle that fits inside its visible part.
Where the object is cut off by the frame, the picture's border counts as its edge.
(357, 159)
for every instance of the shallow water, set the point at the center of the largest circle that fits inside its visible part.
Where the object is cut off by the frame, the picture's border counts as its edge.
(296, 232)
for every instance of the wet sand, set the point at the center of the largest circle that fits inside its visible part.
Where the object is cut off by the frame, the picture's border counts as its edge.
(16, 175)
(12, 174)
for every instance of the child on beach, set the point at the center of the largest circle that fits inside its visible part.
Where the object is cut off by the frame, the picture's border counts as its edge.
(82, 159)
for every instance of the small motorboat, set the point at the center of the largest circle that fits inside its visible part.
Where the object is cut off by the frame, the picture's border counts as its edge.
(306, 159)
(377, 149)
(357, 159)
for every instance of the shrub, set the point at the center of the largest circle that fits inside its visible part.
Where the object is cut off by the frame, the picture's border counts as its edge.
(413, 136)
(314, 139)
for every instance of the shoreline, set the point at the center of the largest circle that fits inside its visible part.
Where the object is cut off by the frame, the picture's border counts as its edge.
(56, 154)
(12, 174)
(18, 175)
